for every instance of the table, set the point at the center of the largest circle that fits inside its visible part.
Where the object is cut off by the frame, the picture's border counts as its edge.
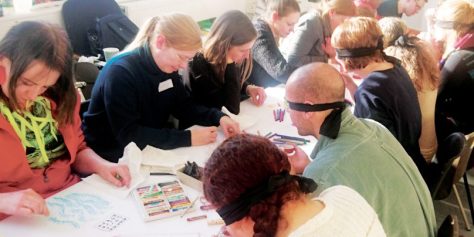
(88, 207)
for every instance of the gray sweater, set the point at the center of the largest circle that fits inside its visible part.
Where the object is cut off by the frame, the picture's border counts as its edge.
(269, 66)
(304, 44)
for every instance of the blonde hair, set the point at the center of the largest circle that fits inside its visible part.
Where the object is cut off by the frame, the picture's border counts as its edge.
(180, 31)
(358, 32)
(367, 8)
(341, 7)
(460, 13)
(414, 54)
(282, 7)
(233, 28)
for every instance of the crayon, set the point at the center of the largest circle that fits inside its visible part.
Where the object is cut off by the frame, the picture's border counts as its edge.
(195, 218)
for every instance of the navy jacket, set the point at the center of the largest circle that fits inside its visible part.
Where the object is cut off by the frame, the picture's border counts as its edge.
(390, 98)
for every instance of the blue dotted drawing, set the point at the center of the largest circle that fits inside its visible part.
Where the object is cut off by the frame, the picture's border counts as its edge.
(75, 209)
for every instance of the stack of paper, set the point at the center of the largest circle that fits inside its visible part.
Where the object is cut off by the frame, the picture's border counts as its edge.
(161, 161)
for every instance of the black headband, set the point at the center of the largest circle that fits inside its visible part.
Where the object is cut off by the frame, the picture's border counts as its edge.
(240, 208)
(332, 124)
(315, 107)
(359, 52)
(404, 41)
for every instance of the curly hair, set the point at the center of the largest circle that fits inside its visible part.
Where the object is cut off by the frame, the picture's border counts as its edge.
(241, 163)
(414, 54)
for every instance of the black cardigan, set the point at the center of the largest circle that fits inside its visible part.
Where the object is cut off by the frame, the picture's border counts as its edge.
(209, 90)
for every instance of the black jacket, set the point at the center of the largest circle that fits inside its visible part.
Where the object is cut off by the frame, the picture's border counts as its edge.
(209, 90)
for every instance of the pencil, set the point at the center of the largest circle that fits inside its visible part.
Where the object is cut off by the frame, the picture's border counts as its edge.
(187, 209)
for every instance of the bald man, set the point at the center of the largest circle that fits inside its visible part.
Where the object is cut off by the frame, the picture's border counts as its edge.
(358, 153)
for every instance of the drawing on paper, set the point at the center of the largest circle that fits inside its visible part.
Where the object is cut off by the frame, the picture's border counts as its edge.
(76, 209)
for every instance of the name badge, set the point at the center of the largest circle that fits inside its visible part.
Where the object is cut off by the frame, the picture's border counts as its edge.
(165, 85)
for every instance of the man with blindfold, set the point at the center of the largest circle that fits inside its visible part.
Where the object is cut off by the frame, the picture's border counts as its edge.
(358, 153)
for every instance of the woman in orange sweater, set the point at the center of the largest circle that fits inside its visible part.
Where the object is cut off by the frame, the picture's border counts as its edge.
(42, 147)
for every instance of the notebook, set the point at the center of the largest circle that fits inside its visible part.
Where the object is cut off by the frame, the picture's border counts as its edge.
(161, 200)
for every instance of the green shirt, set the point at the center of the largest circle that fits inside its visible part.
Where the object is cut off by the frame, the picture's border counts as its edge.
(366, 157)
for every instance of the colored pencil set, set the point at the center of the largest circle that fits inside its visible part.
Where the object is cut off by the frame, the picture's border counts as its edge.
(161, 200)
(279, 114)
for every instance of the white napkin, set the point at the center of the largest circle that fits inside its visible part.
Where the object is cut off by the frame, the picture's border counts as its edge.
(245, 121)
(90, 59)
(132, 157)
(158, 160)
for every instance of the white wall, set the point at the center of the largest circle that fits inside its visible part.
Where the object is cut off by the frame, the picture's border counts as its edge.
(137, 10)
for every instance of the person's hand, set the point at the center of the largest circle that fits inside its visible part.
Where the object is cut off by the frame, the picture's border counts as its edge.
(257, 94)
(203, 135)
(229, 126)
(24, 203)
(116, 174)
(222, 232)
(298, 161)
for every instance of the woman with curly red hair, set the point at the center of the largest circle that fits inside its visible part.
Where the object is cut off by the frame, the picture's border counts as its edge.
(248, 180)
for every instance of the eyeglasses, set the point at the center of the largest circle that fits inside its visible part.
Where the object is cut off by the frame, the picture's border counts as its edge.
(183, 58)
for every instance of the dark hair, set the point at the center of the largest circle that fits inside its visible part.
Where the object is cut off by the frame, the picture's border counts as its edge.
(241, 163)
(29, 41)
(233, 28)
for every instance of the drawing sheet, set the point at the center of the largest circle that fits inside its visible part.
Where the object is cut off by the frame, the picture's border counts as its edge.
(83, 210)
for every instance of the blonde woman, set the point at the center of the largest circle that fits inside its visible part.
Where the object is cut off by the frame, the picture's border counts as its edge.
(138, 90)
(218, 75)
(421, 65)
(455, 28)
(270, 68)
(310, 41)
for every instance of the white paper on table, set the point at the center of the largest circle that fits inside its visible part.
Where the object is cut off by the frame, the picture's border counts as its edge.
(132, 157)
(162, 160)
(245, 121)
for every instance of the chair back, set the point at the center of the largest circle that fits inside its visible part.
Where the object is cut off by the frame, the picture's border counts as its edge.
(87, 73)
(464, 157)
(449, 152)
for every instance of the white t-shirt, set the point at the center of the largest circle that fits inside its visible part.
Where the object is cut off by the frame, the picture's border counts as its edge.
(346, 213)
